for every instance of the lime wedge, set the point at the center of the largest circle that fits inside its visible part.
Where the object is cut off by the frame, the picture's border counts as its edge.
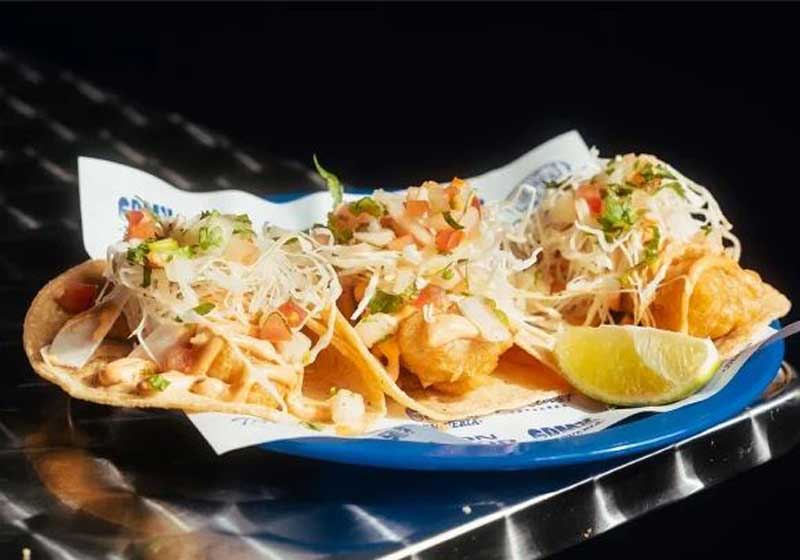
(627, 365)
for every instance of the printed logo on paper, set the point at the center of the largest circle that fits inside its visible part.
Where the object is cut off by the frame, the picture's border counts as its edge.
(550, 171)
(569, 429)
(124, 204)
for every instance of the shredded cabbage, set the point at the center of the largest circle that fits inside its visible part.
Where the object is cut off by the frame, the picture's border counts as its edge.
(482, 267)
(223, 276)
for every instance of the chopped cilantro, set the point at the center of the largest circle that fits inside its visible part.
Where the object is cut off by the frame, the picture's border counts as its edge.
(617, 215)
(167, 246)
(622, 190)
(158, 382)
(242, 225)
(334, 184)
(502, 316)
(650, 172)
(646, 171)
(204, 308)
(662, 173)
(367, 205)
(146, 275)
(675, 186)
(244, 231)
(553, 184)
(626, 280)
(499, 312)
(447, 274)
(209, 236)
(451, 221)
(651, 246)
(411, 292)
(311, 426)
(649, 257)
(383, 302)
(138, 254)
(186, 252)
(208, 213)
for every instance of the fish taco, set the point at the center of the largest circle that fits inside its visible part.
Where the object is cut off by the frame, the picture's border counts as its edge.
(450, 306)
(638, 243)
(429, 305)
(203, 314)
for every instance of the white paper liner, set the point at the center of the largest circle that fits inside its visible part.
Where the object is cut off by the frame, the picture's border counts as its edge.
(108, 189)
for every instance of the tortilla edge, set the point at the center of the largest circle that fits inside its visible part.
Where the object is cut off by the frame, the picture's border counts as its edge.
(45, 316)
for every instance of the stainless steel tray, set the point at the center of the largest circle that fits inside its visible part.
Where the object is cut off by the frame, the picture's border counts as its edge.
(79, 480)
(538, 527)
(86, 481)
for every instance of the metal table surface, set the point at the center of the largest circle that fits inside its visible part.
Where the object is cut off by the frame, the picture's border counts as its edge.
(79, 480)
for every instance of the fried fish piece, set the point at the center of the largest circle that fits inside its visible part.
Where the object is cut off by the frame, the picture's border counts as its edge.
(710, 295)
(446, 350)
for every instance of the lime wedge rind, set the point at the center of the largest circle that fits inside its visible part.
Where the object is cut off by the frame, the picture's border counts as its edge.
(632, 366)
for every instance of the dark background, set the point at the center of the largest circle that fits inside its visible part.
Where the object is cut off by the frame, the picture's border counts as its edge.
(392, 94)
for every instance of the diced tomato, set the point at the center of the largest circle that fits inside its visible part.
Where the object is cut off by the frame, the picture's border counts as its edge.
(140, 225)
(275, 328)
(321, 237)
(180, 358)
(431, 294)
(417, 208)
(77, 297)
(448, 239)
(293, 313)
(398, 243)
(590, 192)
(389, 223)
(134, 217)
(344, 212)
(344, 217)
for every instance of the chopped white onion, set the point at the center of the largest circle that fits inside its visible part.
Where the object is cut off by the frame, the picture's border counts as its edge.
(379, 238)
(447, 327)
(347, 409)
(82, 334)
(158, 343)
(376, 327)
(484, 317)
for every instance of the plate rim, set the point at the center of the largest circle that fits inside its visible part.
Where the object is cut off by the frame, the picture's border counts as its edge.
(636, 435)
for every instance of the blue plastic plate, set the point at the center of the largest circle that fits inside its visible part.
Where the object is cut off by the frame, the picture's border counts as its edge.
(636, 435)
